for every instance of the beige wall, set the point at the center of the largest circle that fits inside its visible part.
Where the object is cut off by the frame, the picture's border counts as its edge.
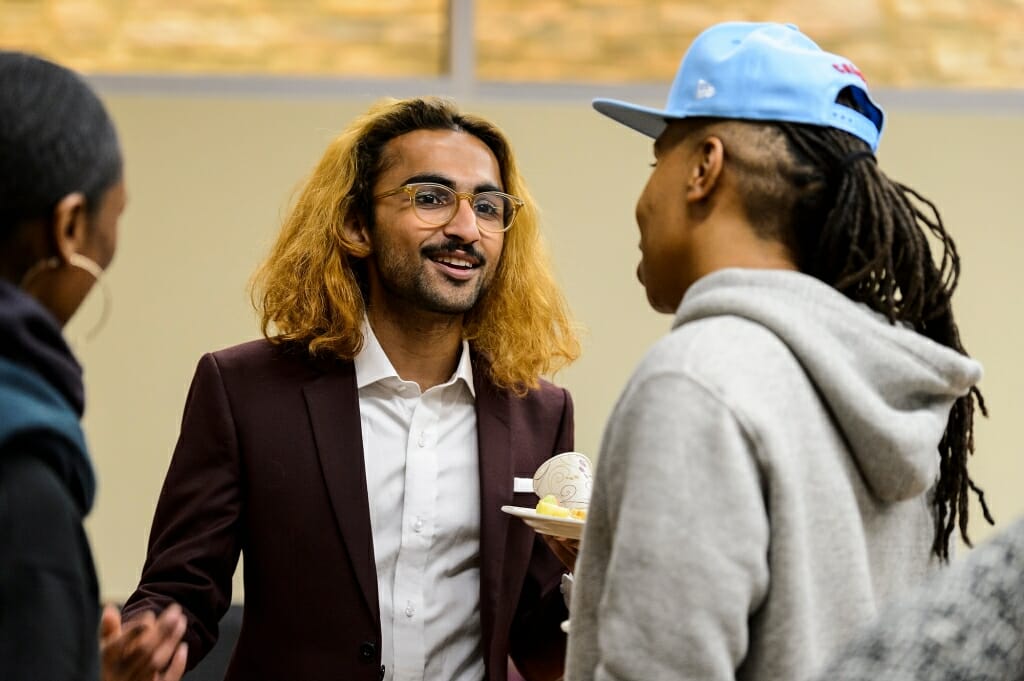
(208, 181)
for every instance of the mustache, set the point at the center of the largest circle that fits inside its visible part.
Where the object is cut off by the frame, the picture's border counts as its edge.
(453, 246)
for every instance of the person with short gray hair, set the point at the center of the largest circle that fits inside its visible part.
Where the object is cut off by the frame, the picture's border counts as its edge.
(966, 623)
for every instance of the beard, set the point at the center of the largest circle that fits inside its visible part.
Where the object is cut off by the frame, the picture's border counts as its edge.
(413, 280)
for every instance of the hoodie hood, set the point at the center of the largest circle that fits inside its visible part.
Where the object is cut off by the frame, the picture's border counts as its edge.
(41, 391)
(889, 388)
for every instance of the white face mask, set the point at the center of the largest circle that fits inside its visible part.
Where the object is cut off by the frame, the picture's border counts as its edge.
(82, 263)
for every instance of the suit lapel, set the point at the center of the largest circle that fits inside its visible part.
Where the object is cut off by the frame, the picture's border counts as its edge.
(495, 460)
(333, 403)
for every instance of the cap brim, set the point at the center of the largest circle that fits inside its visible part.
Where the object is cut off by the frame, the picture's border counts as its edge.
(649, 121)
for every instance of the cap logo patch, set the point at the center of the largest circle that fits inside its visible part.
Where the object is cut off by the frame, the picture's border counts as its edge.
(705, 90)
(851, 70)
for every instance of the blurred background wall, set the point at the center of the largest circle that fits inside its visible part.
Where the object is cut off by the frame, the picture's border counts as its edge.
(223, 106)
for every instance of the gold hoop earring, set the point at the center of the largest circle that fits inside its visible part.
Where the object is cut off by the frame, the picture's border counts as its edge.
(37, 269)
(87, 265)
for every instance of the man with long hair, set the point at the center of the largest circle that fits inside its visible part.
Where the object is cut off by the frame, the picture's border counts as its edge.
(794, 452)
(360, 454)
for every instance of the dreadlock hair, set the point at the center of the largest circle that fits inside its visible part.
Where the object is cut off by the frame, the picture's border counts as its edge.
(55, 138)
(854, 228)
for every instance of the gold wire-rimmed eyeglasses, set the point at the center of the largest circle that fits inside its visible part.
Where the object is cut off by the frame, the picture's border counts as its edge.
(437, 205)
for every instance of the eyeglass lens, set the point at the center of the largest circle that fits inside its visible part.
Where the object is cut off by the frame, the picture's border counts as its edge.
(438, 204)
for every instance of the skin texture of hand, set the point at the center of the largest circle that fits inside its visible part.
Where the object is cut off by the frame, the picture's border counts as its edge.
(148, 648)
(564, 549)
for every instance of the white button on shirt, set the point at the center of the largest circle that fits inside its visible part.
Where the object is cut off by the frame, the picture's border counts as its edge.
(422, 477)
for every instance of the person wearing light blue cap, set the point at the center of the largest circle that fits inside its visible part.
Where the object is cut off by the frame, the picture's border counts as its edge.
(792, 455)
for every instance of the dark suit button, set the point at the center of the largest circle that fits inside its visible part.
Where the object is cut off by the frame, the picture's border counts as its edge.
(367, 651)
(382, 672)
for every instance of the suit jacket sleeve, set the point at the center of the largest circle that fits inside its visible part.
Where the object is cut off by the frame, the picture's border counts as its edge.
(195, 539)
(537, 643)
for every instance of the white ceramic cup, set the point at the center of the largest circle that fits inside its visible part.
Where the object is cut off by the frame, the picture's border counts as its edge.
(568, 476)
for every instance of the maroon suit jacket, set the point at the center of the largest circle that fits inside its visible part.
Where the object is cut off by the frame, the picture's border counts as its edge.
(270, 462)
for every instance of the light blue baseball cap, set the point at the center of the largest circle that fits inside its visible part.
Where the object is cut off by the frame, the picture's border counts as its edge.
(761, 72)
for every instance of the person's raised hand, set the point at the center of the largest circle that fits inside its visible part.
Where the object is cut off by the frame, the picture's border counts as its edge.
(148, 648)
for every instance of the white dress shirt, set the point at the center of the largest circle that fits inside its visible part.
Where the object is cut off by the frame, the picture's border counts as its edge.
(422, 477)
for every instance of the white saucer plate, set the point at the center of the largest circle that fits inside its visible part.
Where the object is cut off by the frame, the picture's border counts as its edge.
(567, 528)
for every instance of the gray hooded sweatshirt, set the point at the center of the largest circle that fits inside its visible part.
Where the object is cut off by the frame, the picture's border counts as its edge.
(763, 485)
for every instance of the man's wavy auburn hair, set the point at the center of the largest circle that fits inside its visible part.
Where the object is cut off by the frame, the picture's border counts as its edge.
(310, 288)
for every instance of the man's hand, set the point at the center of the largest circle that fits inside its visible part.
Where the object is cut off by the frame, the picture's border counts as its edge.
(148, 648)
(565, 549)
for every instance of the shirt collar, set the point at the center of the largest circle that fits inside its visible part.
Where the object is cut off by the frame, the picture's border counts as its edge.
(372, 364)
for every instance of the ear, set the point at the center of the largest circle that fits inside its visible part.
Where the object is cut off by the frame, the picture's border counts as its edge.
(708, 160)
(355, 230)
(70, 225)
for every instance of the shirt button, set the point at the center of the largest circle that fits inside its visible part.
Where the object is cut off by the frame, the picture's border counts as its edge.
(423, 440)
(418, 526)
(409, 610)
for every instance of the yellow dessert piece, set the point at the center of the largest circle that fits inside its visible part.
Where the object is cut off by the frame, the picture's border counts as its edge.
(549, 506)
(578, 513)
